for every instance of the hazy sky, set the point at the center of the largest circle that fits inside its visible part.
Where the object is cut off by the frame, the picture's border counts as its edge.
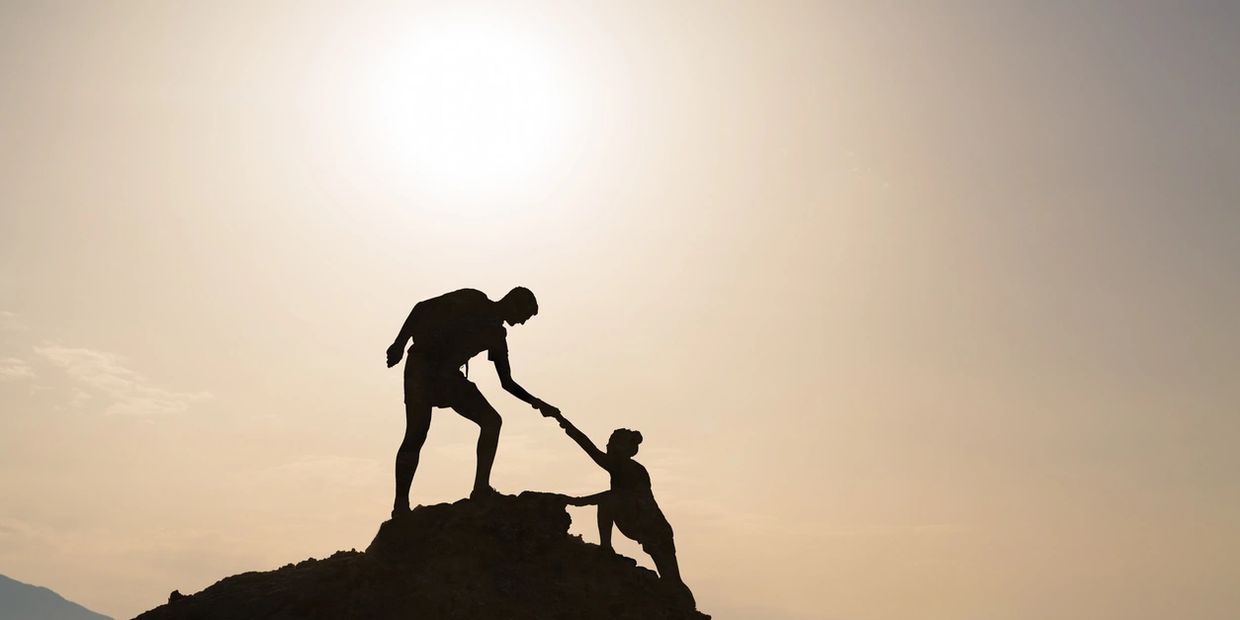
(927, 311)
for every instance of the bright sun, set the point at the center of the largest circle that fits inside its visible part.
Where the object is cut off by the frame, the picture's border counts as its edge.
(468, 109)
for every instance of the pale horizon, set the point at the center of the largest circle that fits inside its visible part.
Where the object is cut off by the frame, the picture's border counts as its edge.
(924, 311)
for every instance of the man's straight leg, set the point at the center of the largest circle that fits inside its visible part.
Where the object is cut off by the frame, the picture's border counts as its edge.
(417, 423)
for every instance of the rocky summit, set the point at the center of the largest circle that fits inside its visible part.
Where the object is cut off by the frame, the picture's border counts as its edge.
(502, 557)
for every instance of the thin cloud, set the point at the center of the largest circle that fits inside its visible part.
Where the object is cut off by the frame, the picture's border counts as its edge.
(9, 322)
(129, 392)
(333, 470)
(13, 369)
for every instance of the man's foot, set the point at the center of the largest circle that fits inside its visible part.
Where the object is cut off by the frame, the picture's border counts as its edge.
(400, 511)
(483, 493)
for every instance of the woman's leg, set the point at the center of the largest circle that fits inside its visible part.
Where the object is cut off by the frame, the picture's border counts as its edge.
(669, 571)
(665, 561)
(605, 521)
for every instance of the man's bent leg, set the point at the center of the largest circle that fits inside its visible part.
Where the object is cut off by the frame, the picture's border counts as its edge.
(417, 423)
(470, 403)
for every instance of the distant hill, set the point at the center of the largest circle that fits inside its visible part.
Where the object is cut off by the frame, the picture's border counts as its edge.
(22, 601)
(505, 557)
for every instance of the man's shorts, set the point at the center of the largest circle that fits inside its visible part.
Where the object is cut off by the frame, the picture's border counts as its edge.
(437, 386)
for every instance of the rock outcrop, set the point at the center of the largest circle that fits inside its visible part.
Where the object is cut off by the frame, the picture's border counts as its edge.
(502, 557)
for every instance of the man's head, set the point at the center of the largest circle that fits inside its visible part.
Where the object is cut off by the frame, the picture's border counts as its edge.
(518, 305)
(623, 442)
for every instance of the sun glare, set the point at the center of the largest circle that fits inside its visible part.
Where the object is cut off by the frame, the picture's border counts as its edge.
(467, 110)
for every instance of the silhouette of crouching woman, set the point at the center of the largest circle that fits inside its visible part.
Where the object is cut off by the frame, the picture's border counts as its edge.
(630, 504)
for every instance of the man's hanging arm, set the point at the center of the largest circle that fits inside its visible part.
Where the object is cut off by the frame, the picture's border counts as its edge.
(397, 350)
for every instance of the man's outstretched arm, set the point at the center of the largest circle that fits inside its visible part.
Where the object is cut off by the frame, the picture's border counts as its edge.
(397, 350)
(504, 370)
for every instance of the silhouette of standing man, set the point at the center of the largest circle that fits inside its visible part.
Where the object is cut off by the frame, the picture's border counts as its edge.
(446, 332)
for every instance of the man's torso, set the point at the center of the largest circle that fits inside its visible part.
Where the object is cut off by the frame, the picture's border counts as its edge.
(456, 326)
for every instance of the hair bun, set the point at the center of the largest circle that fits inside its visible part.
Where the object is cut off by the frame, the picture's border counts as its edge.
(637, 437)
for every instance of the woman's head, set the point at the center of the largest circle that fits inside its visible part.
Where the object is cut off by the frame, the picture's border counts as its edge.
(623, 442)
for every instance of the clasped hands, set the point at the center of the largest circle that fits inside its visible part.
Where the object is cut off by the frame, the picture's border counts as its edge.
(553, 412)
(547, 409)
